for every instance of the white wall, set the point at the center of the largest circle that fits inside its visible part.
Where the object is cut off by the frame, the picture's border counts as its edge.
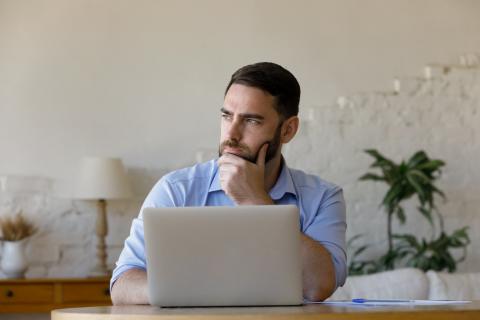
(119, 77)
(439, 115)
(144, 80)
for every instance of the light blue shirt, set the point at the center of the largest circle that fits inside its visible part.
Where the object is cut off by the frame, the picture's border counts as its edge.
(321, 206)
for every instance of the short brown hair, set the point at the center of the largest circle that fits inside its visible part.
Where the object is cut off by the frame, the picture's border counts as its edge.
(274, 79)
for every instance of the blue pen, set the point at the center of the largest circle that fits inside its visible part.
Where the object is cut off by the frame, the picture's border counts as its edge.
(389, 302)
(361, 300)
(392, 302)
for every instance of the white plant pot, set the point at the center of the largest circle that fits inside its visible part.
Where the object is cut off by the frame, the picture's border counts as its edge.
(14, 261)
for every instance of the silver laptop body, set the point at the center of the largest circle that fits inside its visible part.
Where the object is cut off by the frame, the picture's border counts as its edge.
(223, 256)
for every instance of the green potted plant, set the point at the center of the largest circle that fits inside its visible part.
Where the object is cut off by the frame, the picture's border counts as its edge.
(413, 178)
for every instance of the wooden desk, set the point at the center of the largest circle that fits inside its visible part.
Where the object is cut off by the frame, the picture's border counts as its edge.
(44, 295)
(310, 312)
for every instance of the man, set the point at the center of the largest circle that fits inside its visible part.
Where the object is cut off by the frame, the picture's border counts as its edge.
(258, 116)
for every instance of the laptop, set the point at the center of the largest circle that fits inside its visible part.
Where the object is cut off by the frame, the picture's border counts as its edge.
(223, 256)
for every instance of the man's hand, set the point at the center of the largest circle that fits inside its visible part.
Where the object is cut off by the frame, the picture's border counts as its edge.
(243, 181)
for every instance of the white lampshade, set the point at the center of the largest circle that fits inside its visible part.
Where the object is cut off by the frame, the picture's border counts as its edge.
(102, 178)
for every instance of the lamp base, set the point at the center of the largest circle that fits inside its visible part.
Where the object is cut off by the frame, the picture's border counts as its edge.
(100, 269)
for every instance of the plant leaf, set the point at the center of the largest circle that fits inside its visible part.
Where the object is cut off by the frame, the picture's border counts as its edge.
(431, 166)
(401, 215)
(427, 214)
(372, 176)
(440, 192)
(417, 158)
(378, 156)
(418, 187)
(421, 175)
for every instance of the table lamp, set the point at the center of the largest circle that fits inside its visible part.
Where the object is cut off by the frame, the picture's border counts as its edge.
(102, 179)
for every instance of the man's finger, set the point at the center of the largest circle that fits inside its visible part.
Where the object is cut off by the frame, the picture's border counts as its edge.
(226, 167)
(229, 158)
(262, 154)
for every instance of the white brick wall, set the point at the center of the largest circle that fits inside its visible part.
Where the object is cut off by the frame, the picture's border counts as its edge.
(441, 116)
(64, 245)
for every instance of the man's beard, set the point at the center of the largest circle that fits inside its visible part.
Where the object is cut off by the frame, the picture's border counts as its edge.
(273, 146)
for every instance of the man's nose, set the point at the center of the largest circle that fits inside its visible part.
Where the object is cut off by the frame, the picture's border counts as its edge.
(234, 130)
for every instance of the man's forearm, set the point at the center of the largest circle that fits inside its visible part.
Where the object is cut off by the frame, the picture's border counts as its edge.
(130, 288)
(318, 270)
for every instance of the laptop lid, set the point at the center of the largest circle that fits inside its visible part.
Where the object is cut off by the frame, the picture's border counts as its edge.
(223, 256)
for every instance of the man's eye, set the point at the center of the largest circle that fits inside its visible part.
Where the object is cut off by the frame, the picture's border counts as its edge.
(253, 121)
(226, 116)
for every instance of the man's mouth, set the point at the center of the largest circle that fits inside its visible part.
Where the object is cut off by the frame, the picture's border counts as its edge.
(235, 148)
(236, 151)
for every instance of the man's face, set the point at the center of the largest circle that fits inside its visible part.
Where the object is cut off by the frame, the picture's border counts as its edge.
(249, 120)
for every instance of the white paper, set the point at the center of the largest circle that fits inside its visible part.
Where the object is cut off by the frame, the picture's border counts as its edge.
(391, 302)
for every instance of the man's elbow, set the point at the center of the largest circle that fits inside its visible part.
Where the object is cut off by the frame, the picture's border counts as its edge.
(115, 296)
(320, 292)
(317, 296)
(130, 288)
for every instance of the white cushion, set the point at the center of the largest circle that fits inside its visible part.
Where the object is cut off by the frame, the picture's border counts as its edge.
(460, 286)
(407, 283)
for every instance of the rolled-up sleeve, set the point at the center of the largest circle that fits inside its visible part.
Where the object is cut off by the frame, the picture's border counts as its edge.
(133, 254)
(328, 227)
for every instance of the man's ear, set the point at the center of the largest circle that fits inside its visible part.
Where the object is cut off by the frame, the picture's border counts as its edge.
(289, 129)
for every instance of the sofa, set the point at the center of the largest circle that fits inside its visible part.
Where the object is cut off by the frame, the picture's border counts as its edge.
(410, 283)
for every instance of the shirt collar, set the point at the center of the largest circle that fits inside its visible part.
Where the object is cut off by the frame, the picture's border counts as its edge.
(283, 185)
